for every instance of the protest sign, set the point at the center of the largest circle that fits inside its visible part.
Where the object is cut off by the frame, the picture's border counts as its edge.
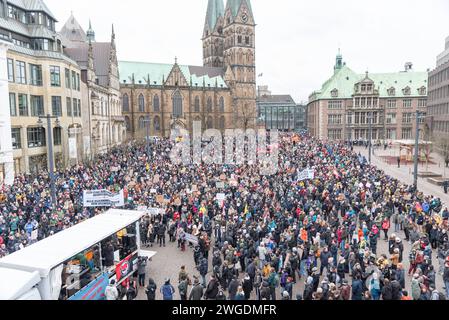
(103, 198)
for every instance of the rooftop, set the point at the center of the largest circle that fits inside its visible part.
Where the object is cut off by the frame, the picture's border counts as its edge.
(157, 72)
(344, 80)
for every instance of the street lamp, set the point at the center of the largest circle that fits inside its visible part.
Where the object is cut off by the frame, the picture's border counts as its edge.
(147, 122)
(50, 154)
(419, 115)
(370, 122)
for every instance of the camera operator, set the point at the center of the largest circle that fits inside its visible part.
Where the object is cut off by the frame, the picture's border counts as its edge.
(141, 270)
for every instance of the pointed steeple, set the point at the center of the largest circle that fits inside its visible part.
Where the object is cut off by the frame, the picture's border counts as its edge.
(90, 33)
(215, 9)
(338, 61)
(234, 6)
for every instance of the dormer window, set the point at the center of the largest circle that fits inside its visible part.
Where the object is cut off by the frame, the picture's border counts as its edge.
(406, 91)
(334, 93)
(369, 87)
(422, 91)
(363, 87)
(392, 92)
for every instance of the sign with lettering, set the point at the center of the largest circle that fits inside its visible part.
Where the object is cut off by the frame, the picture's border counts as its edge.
(103, 198)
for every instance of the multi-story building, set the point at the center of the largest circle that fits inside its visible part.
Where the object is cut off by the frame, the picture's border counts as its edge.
(42, 80)
(438, 105)
(221, 93)
(348, 102)
(103, 121)
(279, 112)
(6, 152)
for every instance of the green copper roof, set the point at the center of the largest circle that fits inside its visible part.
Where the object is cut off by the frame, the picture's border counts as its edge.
(235, 5)
(345, 79)
(215, 9)
(158, 72)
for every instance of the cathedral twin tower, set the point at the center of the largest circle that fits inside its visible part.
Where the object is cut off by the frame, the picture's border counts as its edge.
(229, 43)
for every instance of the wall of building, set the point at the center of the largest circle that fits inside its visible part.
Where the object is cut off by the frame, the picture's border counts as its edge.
(26, 157)
(6, 154)
(166, 108)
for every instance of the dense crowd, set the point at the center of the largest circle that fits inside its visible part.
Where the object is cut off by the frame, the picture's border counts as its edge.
(270, 231)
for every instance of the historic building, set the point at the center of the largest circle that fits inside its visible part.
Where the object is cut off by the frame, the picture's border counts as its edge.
(348, 102)
(279, 112)
(103, 122)
(438, 105)
(221, 93)
(42, 80)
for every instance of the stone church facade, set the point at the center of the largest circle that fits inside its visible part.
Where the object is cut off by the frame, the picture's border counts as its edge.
(221, 93)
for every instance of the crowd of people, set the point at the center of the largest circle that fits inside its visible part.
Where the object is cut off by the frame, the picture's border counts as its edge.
(269, 233)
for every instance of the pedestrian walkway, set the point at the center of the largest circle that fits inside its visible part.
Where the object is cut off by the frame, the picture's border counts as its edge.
(405, 172)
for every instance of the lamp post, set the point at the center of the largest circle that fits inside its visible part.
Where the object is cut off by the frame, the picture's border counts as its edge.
(147, 125)
(419, 116)
(50, 154)
(370, 122)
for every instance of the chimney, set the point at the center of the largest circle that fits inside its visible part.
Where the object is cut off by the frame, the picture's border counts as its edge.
(408, 66)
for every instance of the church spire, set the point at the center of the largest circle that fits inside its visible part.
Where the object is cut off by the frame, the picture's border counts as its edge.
(215, 9)
(90, 33)
(338, 61)
(235, 5)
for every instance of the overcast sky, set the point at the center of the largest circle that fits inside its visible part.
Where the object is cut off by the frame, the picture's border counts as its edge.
(296, 40)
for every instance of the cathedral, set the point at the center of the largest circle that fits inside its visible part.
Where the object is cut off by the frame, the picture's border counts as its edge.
(221, 94)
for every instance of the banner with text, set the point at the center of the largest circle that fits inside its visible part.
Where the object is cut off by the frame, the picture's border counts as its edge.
(103, 198)
(308, 174)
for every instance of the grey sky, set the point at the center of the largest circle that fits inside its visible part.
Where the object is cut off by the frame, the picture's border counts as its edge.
(296, 40)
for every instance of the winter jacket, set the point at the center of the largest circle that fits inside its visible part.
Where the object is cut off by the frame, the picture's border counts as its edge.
(196, 293)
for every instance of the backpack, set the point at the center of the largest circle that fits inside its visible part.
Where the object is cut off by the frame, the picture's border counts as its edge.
(167, 291)
(182, 287)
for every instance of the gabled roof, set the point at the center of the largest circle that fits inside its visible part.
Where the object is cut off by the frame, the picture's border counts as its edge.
(345, 79)
(215, 9)
(32, 5)
(72, 32)
(160, 71)
(235, 5)
(101, 53)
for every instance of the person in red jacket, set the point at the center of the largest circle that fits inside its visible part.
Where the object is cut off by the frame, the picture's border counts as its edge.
(386, 227)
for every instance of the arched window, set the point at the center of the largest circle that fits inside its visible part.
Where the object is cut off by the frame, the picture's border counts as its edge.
(156, 103)
(222, 123)
(141, 123)
(125, 103)
(209, 105)
(157, 123)
(221, 104)
(177, 104)
(128, 124)
(197, 104)
(141, 103)
(210, 123)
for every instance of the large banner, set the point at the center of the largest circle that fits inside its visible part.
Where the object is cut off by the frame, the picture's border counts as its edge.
(308, 174)
(126, 267)
(103, 198)
(94, 290)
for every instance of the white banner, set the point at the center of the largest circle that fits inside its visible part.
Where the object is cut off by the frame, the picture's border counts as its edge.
(191, 238)
(73, 153)
(221, 197)
(308, 174)
(103, 198)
